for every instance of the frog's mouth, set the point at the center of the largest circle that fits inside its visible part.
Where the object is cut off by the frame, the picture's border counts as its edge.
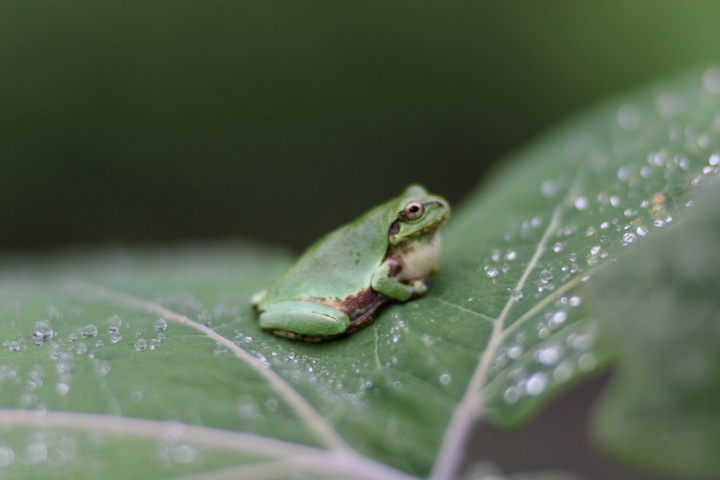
(395, 228)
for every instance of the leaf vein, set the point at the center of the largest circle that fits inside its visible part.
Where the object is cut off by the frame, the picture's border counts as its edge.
(312, 419)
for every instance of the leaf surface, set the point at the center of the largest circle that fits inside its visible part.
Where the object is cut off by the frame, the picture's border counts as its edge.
(661, 311)
(502, 329)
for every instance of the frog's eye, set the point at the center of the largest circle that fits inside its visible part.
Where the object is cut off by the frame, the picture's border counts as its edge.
(413, 210)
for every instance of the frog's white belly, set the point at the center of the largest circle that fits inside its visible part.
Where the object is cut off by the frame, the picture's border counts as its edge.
(420, 259)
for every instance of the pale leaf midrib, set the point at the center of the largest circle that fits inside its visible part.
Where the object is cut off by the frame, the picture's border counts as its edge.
(315, 422)
(462, 420)
(303, 457)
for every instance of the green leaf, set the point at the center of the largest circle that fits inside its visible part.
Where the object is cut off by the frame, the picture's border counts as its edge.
(661, 307)
(502, 329)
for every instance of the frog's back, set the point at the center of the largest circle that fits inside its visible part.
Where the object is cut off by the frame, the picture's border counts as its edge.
(341, 263)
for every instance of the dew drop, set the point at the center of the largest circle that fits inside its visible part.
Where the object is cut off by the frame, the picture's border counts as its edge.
(511, 396)
(517, 295)
(42, 330)
(221, 349)
(659, 223)
(581, 341)
(623, 174)
(714, 159)
(53, 313)
(62, 388)
(72, 337)
(559, 317)
(114, 324)
(563, 371)
(445, 379)
(271, 404)
(536, 384)
(543, 332)
(545, 276)
(628, 237)
(184, 454)
(89, 330)
(587, 362)
(13, 346)
(155, 343)
(536, 222)
(515, 352)
(492, 272)
(645, 172)
(204, 317)
(510, 255)
(549, 355)
(641, 231)
(711, 81)
(557, 247)
(160, 324)
(548, 189)
(115, 337)
(7, 456)
(581, 203)
(574, 301)
(81, 348)
(615, 201)
(54, 351)
(37, 452)
(505, 267)
(103, 368)
(628, 117)
(140, 344)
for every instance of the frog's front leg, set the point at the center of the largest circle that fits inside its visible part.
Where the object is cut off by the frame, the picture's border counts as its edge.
(305, 318)
(381, 282)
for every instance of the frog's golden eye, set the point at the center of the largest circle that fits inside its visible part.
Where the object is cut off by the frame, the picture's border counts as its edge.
(413, 210)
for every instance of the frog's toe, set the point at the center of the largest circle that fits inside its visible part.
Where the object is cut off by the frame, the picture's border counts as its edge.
(257, 299)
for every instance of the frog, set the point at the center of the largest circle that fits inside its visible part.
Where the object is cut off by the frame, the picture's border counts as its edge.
(335, 288)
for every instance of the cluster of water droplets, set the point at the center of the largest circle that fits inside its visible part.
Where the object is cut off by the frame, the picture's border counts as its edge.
(368, 374)
(499, 262)
(49, 448)
(528, 369)
(641, 194)
(66, 349)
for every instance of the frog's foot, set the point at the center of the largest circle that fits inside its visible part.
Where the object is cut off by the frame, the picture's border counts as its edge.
(304, 320)
(419, 287)
(257, 299)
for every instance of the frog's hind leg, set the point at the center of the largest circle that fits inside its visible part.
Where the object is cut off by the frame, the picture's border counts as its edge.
(304, 320)
(366, 318)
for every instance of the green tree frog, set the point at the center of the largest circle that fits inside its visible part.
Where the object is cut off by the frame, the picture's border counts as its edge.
(336, 286)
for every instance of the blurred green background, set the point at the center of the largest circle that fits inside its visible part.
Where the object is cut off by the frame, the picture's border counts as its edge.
(157, 121)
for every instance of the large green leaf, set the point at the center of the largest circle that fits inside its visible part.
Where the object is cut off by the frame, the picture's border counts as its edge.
(661, 309)
(503, 327)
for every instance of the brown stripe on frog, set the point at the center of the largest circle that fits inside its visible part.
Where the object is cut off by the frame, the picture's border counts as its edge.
(366, 300)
